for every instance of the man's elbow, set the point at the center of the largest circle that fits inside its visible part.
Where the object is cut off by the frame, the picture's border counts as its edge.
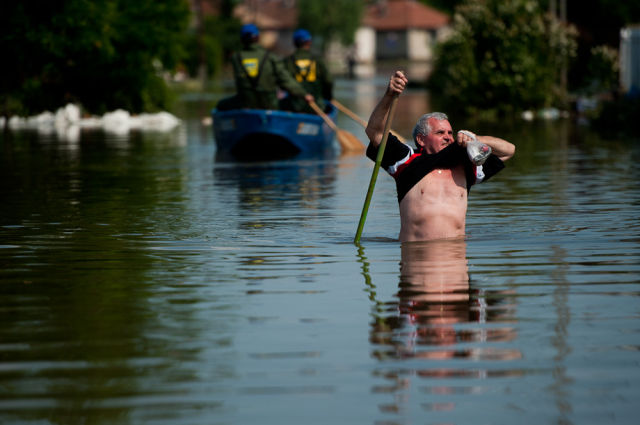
(373, 135)
(369, 132)
(509, 152)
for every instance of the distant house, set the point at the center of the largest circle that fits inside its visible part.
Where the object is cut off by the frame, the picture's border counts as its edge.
(400, 29)
(391, 29)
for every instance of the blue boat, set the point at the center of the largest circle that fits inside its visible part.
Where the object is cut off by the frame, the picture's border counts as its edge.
(269, 133)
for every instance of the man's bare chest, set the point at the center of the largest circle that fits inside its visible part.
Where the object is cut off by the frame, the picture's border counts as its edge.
(442, 185)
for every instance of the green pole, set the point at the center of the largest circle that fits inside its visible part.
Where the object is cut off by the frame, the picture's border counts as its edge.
(376, 168)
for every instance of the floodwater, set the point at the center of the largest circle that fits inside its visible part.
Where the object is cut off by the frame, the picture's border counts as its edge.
(145, 280)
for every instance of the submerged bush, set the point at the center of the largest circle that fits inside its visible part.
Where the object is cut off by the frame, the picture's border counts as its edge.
(502, 57)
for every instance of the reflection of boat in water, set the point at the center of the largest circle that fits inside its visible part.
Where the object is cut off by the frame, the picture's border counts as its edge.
(260, 133)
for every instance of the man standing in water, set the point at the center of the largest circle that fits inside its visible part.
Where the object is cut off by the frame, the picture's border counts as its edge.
(433, 181)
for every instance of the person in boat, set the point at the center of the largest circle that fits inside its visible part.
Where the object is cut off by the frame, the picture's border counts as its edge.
(310, 71)
(433, 180)
(258, 74)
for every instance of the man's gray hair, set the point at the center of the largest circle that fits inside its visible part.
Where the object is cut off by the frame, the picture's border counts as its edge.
(423, 127)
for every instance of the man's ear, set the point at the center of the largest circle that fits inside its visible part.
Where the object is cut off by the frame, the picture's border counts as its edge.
(420, 140)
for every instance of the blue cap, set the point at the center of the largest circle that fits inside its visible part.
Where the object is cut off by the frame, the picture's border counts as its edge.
(249, 30)
(301, 36)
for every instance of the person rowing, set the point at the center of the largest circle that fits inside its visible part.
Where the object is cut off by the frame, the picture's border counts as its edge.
(433, 180)
(258, 74)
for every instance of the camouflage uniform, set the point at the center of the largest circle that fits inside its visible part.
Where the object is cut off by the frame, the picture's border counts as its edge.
(257, 75)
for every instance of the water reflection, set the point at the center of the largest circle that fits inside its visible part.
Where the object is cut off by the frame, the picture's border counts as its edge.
(272, 194)
(561, 383)
(440, 326)
(80, 328)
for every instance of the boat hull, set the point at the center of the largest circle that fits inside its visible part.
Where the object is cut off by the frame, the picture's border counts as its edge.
(260, 132)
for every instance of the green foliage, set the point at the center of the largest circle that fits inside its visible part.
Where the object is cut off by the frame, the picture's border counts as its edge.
(103, 54)
(327, 20)
(211, 42)
(503, 56)
(603, 70)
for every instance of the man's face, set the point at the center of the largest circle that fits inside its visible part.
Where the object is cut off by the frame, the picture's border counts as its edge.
(440, 137)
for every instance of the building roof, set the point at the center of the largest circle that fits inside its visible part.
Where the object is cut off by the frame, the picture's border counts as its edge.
(396, 15)
(268, 14)
(383, 15)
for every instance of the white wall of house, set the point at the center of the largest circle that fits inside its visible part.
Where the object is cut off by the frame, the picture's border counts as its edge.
(366, 45)
(419, 45)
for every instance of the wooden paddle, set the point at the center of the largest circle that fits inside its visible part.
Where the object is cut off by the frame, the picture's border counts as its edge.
(376, 168)
(348, 141)
(357, 119)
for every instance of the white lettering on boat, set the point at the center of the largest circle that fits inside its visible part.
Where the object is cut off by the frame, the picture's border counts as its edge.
(308, 129)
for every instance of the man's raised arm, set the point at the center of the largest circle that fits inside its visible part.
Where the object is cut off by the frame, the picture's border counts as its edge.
(375, 126)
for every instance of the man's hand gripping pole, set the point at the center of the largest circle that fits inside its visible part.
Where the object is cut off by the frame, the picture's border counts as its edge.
(376, 168)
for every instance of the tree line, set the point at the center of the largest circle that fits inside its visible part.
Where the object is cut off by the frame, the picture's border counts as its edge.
(103, 54)
(503, 55)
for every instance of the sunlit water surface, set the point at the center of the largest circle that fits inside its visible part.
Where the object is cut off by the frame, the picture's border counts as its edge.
(144, 279)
